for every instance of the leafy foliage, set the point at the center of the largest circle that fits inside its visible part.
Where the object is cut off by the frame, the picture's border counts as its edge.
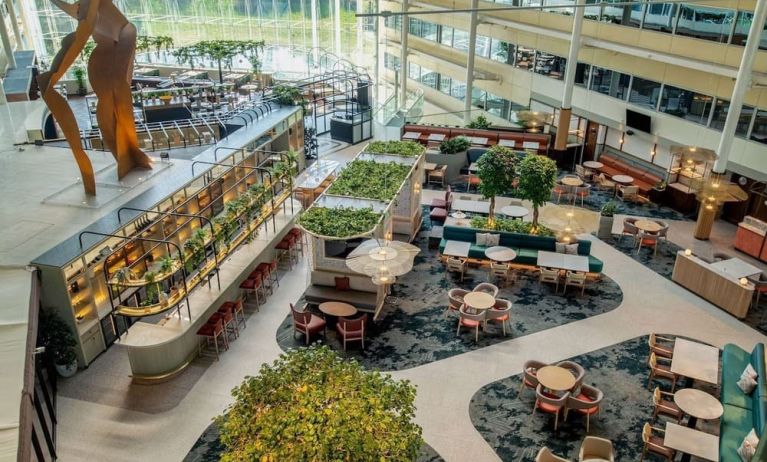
(480, 122)
(55, 335)
(339, 222)
(287, 95)
(511, 226)
(454, 145)
(222, 52)
(609, 209)
(497, 169)
(537, 178)
(399, 148)
(310, 404)
(368, 179)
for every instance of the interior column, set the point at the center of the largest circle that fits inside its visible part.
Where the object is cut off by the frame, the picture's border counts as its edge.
(315, 34)
(470, 62)
(15, 24)
(405, 30)
(565, 111)
(7, 45)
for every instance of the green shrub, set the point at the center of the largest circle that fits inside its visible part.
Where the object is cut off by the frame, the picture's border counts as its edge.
(368, 179)
(398, 148)
(511, 226)
(312, 405)
(609, 209)
(455, 145)
(55, 335)
(480, 123)
(339, 222)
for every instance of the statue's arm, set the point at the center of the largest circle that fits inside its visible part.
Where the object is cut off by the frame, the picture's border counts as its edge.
(75, 42)
(69, 8)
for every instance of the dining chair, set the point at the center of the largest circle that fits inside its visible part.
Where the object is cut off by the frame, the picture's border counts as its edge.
(470, 320)
(560, 190)
(530, 375)
(455, 300)
(661, 371)
(587, 403)
(441, 202)
(352, 330)
(647, 240)
(549, 276)
(304, 322)
(473, 181)
(487, 288)
(575, 279)
(660, 345)
(578, 372)
(437, 175)
(663, 231)
(594, 448)
(760, 285)
(628, 193)
(502, 272)
(455, 265)
(603, 183)
(654, 443)
(545, 455)
(550, 403)
(500, 313)
(663, 404)
(629, 229)
(213, 331)
(582, 173)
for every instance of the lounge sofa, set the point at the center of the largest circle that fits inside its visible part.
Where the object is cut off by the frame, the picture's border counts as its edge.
(525, 245)
(362, 293)
(643, 179)
(742, 412)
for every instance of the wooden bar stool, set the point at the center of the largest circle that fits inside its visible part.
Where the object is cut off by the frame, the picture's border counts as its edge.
(283, 249)
(228, 324)
(273, 272)
(295, 232)
(212, 331)
(265, 270)
(249, 287)
(229, 320)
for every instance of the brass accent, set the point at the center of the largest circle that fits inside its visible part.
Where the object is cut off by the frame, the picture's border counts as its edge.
(146, 379)
(110, 71)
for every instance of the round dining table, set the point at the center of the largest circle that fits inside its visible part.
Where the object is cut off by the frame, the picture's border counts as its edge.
(571, 181)
(479, 300)
(623, 179)
(515, 211)
(698, 405)
(593, 165)
(500, 253)
(648, 226)
(556, 378)
(338, 309)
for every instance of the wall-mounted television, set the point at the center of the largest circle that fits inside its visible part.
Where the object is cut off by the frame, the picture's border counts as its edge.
(638, 121)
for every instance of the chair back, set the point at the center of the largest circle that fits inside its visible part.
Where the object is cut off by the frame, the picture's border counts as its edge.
(545, 455)
(648, 238)
(487, 288)
(455, 297)
(551, 400)
(354, 325)
(300, 318)
(530, 369)
(580, 171)
(646, 433)
(499, 269)
(578, 372)
(597, 448)
(630, 190)
(479, 317)
(652, 361)
(656, 397)
(549, 275)
(630, 227)
(575, 278)
(455, 264)
(500, 312)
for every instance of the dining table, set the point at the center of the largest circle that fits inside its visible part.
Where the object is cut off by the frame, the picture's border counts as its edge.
(436, 137)
(507, 143)
(457, 249)
(479, 300)
(500, 253)
(412, 136)
(698, 405)
(593, 165)
(648, 226)
(623, 179)
(569, 262)
(478, 140)
(695, 361)
(515, 211)
(571, 181)
(691, 442)
(555, 378)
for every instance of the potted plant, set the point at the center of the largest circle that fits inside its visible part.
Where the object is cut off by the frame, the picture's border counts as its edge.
(167, 264)
(479, 123)
(166, 97)
(56, 337)
(497, 169)
(658, 192)
(606, 215)
(452, 153)
(152, 287)
(79, 73)
(537, 178)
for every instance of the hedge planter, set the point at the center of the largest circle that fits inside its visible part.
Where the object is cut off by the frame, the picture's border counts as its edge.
(605, 231)
(455, 162)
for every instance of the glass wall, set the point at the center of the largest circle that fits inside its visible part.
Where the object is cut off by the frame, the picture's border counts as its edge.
(686, 104)
(704, 22)
(609, 82)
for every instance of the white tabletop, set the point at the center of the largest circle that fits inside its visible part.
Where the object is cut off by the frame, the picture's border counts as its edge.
(473, 167)
(593, 164)
(515, 211)
(479, 300)
(624, 179)
(478, 140)
(698, 403)
(693, 442)
(436, 137)
(429, 166)
(696, 361)
(318, 172)
(563, 261)
(500, 253)
(471, 206)
(411, 135)
(457, 248)
(531, 145)
(507, 143)
(736, 268)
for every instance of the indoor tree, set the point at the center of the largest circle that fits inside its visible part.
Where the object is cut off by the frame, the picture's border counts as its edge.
(311, 404)
(537, 178)
(221, 52)
(497, 170)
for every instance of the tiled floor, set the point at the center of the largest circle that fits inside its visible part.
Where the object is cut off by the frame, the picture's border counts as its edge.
(118, 430)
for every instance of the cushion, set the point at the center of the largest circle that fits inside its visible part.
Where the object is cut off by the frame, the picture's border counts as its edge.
(481, 238)
(493, 239)
(571, 249)
(560, 246)
(342, 283)
(750, 371)
(747, 448)
(747, 384)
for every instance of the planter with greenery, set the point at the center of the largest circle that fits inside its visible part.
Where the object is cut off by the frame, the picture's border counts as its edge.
(310, 404)
(479, 123)
(537, 178)
(606, 215)
(511, 226)
(220, 52)
(367, 179)
(342, 222)
(452, 154)
(56, 337)
(455, 145)
(497, 170)
(287, 95)
(398, 148)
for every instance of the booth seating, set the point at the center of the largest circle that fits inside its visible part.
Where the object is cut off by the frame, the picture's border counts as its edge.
(493, 135)
(326, 287)
(742, 412)
(525, 245)
(643, 179)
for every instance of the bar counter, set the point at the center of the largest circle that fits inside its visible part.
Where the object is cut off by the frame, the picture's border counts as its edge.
(159, 351)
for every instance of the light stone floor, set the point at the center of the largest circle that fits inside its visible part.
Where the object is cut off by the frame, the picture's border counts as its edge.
(90, 431)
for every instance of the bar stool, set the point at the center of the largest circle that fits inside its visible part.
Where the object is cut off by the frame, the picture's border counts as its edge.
(273, 272)
(229, 320)
(212, 332)
(265, 270)
(282, 249)
(295, 232)
(228, 324)
(249, 287)
(239, 313)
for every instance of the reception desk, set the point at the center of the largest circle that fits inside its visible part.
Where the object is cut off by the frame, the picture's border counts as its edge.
(712, 284)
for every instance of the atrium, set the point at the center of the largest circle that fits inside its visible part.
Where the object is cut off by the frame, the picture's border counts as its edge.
(393, 230)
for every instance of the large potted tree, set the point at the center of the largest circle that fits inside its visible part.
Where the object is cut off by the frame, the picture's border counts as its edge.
(311, 404)
(56, 337)
(497, 169)
(537, 178)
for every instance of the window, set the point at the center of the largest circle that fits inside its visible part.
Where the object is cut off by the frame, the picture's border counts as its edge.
(524, 58)
(660, 17)
(429, 77)
(478, 97)
(609, 82)
(705, 22)
(460, 40)
(483, 46)
(759, 133)
(742, 26)
(444, 84)
(502, 51)
(626, 15)
(429, 31)
(415, 27)
(498, 106)
(644, 93)
(687, 104)
(391, 61)
(394, 22)
(746, 114)
(582, 74)
(721, 108)
(458, 90)
(592, 12)
(560, 10)
(550, 65)
(414, 71)
(447, 36)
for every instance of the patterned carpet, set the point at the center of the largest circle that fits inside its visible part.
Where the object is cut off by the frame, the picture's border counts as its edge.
(208, 448)
(416, 332)
(503, 417)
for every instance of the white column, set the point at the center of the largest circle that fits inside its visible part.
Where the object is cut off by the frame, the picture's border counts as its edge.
(315, 34)
(742, 84)
(7, 44)
(565, 112)
(15, 24)
(470, 61)
(403, 73)
(337, 28)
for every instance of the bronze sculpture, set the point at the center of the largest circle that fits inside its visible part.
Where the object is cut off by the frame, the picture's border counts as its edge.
(110, 71)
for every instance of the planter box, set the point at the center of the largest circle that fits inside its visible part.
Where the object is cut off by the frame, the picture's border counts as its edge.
(605, 228)
(455, 162)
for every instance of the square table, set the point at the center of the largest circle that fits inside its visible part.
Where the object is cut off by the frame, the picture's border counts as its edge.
(471, 206)
(563, 261)
(507, 143)
(693, 442)
(736, 268)
(436, 137)
(531, 145)
(695, 361)
(428, 166)
(411, 135)
(457, 249)
(478, 140)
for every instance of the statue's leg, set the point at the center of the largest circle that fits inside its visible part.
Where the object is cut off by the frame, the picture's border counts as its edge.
(100, 78)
